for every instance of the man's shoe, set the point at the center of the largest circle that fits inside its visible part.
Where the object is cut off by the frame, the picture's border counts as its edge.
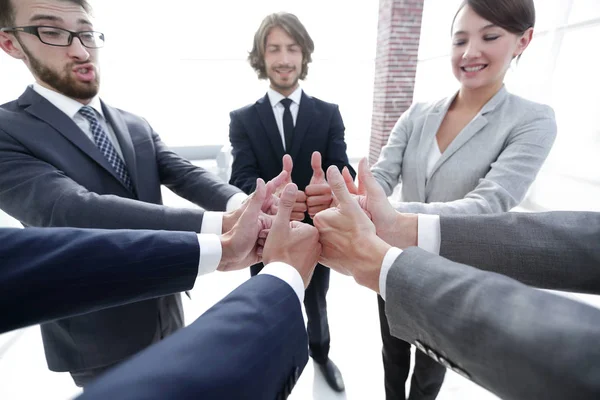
(332, 374)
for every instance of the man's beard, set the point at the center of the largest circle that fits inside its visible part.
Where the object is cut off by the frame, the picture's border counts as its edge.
(284, 87)
(65, 83)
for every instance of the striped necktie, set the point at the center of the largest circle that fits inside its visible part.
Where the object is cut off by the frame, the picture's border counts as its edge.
(106, 147)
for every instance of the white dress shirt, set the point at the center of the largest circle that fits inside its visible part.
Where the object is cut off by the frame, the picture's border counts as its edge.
(429, 239)
(71, 108)
(278, 108)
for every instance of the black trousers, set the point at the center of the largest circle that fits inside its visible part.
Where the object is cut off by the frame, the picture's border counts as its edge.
(316, 311)
(428, 375)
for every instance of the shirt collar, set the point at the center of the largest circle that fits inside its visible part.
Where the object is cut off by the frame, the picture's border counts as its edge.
(66, 104)
(275, 97)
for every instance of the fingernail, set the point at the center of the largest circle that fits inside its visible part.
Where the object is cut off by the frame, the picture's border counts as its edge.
(290, 189)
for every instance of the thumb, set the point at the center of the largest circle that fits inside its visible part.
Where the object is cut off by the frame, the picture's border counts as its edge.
(286, 204)
(339, 189)
(276, 182)
(318, 173)
(255, 202)
(288, 164)
(368, 183)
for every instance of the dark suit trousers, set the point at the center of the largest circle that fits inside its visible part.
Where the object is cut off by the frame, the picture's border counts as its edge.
(316, 311)
(428, 375)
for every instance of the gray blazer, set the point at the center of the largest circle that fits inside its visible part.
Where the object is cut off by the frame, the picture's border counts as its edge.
(517, 342)
(487, 168)
(52, 175)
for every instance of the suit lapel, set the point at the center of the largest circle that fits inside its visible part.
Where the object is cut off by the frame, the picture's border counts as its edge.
(306, 113)
(430, 128)
(119, 126)
(472, 128)
(42, 109)
(267, 118)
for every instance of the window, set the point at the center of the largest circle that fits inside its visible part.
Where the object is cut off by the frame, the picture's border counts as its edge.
(183, 66)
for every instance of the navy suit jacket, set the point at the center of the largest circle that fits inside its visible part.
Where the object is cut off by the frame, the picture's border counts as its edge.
(53, 175)
(59, 272)
(258, 148)
(250, 345)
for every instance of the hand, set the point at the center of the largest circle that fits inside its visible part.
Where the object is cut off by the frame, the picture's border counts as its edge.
(292, 242)
(397, 229)
(239, 245)
(300, 205)
(348, 238)
(318, 192)
(269, 205)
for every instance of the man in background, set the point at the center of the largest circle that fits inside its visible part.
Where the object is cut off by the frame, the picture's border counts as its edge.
(282, 130)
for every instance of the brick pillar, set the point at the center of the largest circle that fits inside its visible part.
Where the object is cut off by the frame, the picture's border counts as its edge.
(398, 35)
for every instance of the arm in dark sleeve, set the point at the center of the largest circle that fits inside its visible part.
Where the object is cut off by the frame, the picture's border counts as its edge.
(250, 345)
(189, 181)
(54, 273)
(553, 250)
(336, 146)
(38, 194)
(245, 169)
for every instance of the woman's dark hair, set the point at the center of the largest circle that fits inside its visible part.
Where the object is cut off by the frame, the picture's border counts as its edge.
(515, 16)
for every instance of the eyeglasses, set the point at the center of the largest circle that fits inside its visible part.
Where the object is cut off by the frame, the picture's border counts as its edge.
(53, 36)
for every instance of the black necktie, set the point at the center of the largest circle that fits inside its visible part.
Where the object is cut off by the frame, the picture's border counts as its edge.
(288, 124)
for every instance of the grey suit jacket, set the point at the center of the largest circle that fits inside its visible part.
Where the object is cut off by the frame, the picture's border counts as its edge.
(516, 341)
(52, 175)
(487, 168)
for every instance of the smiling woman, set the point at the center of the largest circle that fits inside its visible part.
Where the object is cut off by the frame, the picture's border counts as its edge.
(474, 152)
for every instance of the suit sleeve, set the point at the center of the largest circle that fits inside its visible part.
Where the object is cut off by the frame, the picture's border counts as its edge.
(250, 345)
(516, 341)
(388, 168)
(509, 177)
(245, 169)
(336, 146)
(38, 194)
(553, 250)
(54, 273)
(191, 182)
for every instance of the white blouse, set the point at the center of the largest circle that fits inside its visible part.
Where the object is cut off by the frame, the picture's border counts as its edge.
(433, 157)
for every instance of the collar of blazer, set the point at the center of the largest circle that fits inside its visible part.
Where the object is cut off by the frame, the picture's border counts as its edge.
(42, 109)
(306, 113)
(432, 125)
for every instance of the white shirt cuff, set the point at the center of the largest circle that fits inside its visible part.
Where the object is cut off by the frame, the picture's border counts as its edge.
(212, 222)
(429, 234)
(210, 253)
(387, 263)
(288, 274)
(235, 201)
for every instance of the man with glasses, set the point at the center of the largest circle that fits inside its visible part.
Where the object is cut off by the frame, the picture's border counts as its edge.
(69, 159)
